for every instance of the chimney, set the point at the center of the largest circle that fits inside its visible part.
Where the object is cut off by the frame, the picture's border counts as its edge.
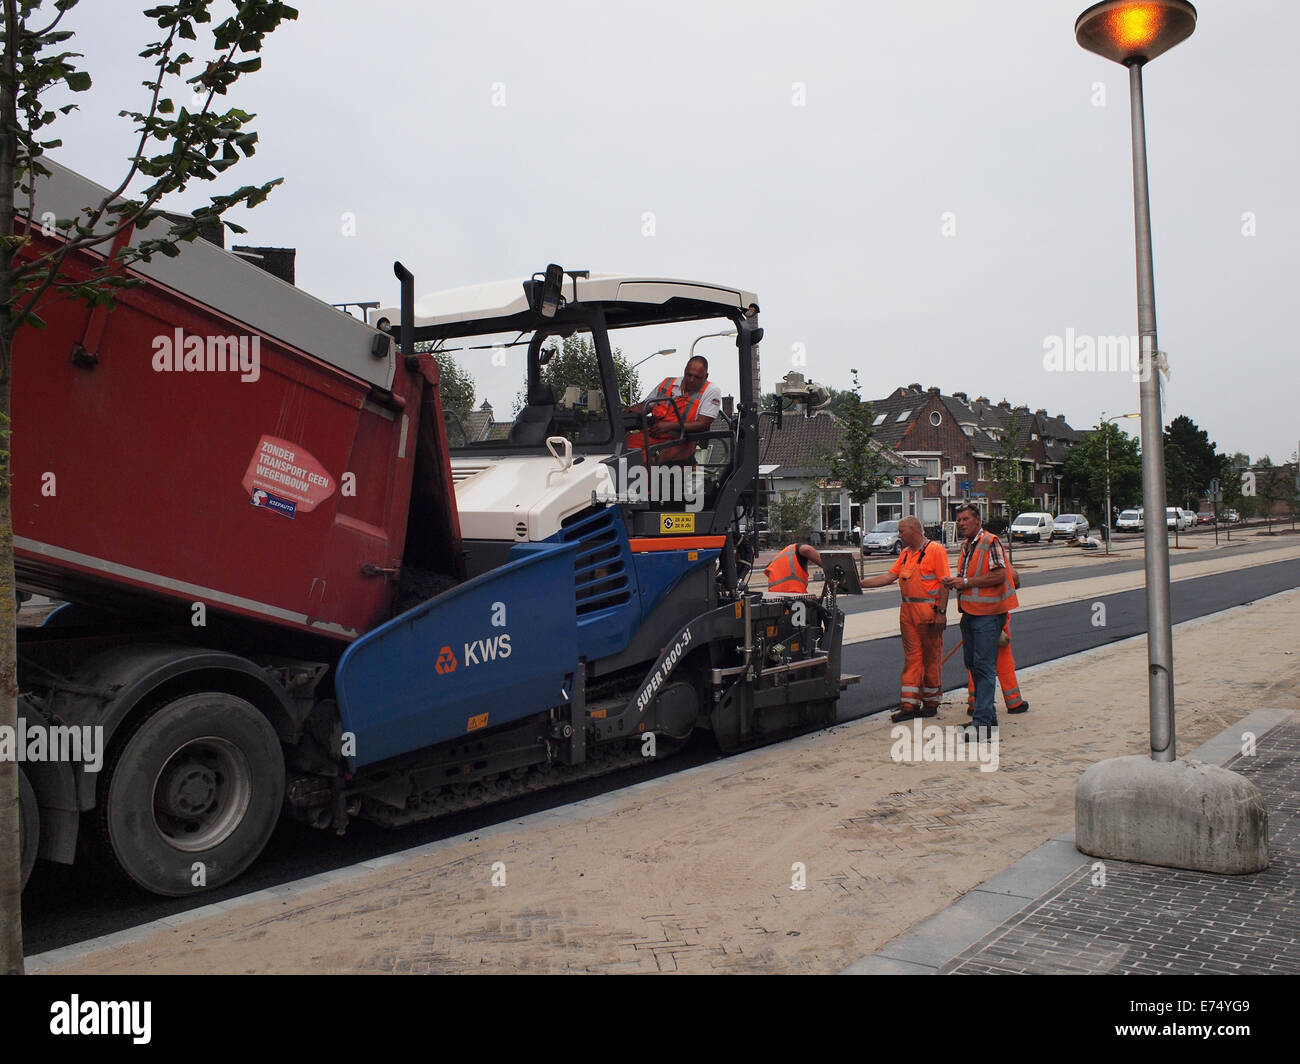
(932, 391)
(729, 405)
(278, 262)
(1004, 405)
(1041, 413)
(914, 388)
(961, 396)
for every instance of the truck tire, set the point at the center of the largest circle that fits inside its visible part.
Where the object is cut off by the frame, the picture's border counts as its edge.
(191, 795)
(29, 832)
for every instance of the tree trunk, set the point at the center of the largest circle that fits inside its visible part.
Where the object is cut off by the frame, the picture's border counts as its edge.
(11, 928)
(11, 925)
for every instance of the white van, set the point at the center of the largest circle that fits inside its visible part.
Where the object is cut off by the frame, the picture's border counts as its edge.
(1033, 526)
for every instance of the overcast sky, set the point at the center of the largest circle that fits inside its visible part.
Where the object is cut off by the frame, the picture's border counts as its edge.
(926, 192)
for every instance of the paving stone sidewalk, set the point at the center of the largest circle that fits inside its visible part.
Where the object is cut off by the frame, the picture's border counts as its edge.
(1138, 919)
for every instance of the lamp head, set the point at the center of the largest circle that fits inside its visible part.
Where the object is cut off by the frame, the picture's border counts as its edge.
(1135, 31)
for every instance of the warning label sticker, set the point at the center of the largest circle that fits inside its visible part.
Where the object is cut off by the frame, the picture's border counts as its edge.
(285, 472)
(676, 522)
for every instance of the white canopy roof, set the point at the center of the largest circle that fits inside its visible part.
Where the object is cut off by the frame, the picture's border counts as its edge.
(499, 299)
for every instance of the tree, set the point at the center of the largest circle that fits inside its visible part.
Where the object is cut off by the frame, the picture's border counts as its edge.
(198, 142)
(1007, 468)
(861, 465)
(455, 385)
(1273, 484)
(791, 515)
(575, 364)
(843, 401)
(1085, 465)
(1191, 460)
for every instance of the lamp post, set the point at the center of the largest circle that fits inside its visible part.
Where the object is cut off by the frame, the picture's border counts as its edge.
(1132, 33)
(1106, 436)
(661, 351)
(731, 332)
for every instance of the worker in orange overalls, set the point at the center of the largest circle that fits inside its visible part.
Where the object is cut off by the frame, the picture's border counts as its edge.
(920, 571)
(787, 572)
(1006, 671)
(687, 403)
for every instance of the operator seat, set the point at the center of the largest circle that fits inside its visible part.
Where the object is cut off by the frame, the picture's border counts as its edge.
(531, 425)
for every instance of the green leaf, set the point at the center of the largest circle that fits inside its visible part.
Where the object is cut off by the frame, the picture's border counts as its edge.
(78, 80)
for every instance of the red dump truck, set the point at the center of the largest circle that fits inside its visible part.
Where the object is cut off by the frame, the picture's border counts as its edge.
(296, 584)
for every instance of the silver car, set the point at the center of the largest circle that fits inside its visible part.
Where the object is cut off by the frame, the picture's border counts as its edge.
(1071, 526)
(883, 538)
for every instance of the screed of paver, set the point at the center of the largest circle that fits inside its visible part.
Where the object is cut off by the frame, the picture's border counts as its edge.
(695, 873)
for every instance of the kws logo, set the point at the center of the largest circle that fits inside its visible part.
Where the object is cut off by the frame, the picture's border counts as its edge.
(485, 650)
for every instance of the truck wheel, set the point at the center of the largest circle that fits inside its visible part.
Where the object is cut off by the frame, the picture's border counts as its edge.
(29, 819)
(191, 796)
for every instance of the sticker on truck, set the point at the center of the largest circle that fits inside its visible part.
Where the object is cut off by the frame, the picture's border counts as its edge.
(282, 470)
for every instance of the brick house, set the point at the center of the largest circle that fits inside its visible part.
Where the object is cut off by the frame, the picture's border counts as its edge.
(954, 434)
(794, 459)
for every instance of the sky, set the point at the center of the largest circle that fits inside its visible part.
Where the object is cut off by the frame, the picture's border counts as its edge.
(936, 193)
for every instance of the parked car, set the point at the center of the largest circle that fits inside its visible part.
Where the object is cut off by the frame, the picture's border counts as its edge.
(1130, 521)
(1176, 518)
(1070, 526)
(1205, 517)
(1033, 526)
(1231, 516)
(883, 538)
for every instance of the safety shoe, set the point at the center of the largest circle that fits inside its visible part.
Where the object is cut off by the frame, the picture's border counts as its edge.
(905, 714)
(1022, 708)
(929, 711)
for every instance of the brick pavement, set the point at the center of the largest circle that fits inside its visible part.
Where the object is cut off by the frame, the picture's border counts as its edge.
(1114, 917)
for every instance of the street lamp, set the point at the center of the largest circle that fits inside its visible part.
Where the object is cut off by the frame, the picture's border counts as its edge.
(661, 351)
(1132, 34)
(731, 332)
(1106, 437)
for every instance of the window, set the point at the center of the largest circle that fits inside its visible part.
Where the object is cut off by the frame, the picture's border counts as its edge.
(931, 466)
(982, 469)
(903, 417)
(880, 420)
(889, 506)
(936, 418)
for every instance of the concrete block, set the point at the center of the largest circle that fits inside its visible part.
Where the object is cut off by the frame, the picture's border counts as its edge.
(1177, 814)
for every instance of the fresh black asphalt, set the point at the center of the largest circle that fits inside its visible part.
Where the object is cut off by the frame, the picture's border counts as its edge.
(65, 905)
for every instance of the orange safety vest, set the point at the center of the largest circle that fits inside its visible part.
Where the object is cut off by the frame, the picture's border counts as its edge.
(920, 581)
(974, 562)
(787, 572)
(667, 425)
